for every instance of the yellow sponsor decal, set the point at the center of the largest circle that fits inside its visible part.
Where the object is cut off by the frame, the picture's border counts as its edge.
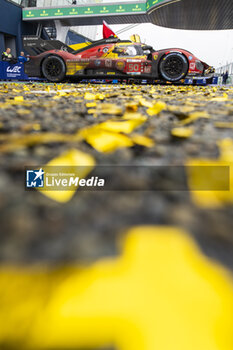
(79, 46)
(73, 67)
(120, 65)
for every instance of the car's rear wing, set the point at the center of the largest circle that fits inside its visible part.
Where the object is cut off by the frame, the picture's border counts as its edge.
(34, 45)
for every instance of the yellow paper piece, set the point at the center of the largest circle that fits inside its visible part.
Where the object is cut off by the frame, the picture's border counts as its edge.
(142, 140)
(110, 108)
(99, 96)
(131, 106)
(177, 109)
(70, 160)
(105, 141)
(161, 293)
(145, 103)
(227, 125)
(134, 115)
(120, 125)
(23, 111)
(89, 96)
(213, 199)
(16, 141)
(224, 97)
(194, 116)
(156, 108)
(182, 132)
(19, 98)
(91, 104)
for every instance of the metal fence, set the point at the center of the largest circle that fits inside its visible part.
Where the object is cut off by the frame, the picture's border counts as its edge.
(227, 67)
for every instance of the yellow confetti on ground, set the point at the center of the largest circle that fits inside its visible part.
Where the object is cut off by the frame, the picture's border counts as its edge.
(180, 109)
(19, 98)
(89, 96)
(91, 104)
(145, 103)
(142, 140)
(131, 107)
(17, 141)
(162, 293)
(182, 132)
(23, 111)
(125, 126)
(133, 115)
(193, 117)
(227, 125)
(110, 108)
(74, 162)
(219, 99)
(156, 108)
(107, 137)
(99, 96)
(212, 199)
(103, 140)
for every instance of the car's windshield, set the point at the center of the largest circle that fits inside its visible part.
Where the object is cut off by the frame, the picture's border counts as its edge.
(130, 50)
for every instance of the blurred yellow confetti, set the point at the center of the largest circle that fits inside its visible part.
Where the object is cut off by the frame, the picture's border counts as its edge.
(134, 115)
(99, 96)
(110, 108)
(212, 199)
(23, 111)
(180, 109)
(89, 96)
(194, 116)
(162, 293)
(120, 125)
(19, 98)
(103, 140)
(91, 104)
(73, 162)
(132, 106)
(223, 125)
(17, 141)
(182, 132)
(156, 108)
(107, 137)
(145, 103)
(142, 140)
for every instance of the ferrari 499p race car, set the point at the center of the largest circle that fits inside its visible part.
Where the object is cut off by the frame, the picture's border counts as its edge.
(109, 58)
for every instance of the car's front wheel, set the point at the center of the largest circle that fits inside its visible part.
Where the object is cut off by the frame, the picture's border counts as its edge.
(54, 68)
(173, 67)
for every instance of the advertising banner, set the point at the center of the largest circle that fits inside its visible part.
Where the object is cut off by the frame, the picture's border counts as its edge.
(91, 10)
(12, 71)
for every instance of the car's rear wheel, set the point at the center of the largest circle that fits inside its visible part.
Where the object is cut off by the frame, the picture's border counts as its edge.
(173, 67)
(54, 68)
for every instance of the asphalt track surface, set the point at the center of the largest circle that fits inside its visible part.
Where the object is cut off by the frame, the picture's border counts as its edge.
(134, 264)
(39, 122)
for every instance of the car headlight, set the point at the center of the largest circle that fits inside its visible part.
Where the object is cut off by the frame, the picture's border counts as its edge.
(199, 65)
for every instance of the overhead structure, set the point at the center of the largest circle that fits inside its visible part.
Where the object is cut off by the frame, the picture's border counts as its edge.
(179, 14)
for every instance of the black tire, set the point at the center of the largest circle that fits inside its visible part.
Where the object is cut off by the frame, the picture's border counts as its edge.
(53, 69)
(173, 67)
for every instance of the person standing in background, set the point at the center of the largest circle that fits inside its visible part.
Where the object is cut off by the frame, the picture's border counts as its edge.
(22, 58)
(225, 77)
(6, 55)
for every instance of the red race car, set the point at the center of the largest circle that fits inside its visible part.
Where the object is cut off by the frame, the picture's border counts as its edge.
(110, 58)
